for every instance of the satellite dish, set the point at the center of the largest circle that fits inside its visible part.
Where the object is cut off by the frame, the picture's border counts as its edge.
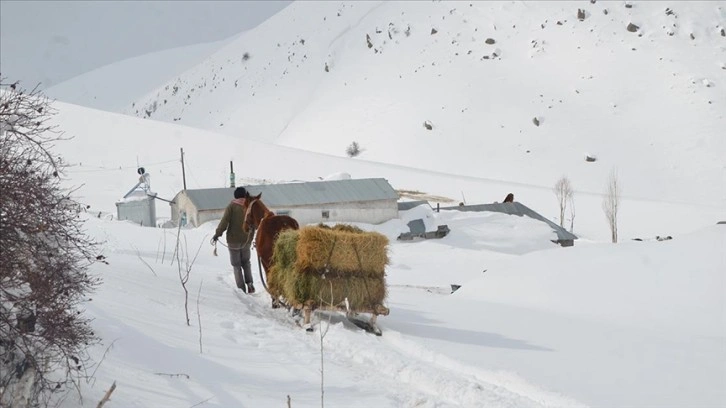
(141, 171)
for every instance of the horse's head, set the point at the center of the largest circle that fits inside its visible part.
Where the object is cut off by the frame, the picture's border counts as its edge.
(255, 211)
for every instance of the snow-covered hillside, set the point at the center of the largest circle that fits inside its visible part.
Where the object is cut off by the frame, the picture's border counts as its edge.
(648, 102)
(633, 324)
(107, 148)
(641, 323)
(601, 325)
(117, 85)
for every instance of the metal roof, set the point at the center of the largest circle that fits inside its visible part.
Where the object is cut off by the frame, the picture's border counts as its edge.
(296, 194)
(407, 205)
(516, 208)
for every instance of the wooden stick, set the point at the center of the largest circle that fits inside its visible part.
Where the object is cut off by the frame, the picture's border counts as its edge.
(107, 396)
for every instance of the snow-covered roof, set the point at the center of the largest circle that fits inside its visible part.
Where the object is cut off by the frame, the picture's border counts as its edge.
(516, 208)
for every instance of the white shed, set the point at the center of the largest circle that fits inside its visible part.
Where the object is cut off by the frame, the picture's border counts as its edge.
(371, 201)
(139, 204)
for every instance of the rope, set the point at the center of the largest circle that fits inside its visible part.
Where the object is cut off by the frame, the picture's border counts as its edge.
(330, 255)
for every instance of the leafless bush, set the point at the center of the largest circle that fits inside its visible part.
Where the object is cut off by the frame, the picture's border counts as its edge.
(353, 149)
(572, 213)
(610, 204)
(44, 257)
(185, 263)
(563, 191)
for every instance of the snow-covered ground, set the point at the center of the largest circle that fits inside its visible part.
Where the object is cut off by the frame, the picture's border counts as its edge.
(534, 324)
(635, 324)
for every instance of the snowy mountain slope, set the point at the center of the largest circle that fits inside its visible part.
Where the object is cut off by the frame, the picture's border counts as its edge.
(117, 85)
(496, 342)
(634, 324)
(107, 148)
(645, 102)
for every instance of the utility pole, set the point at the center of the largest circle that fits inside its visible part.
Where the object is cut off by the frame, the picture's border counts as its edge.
(231, 174)
(184, 175)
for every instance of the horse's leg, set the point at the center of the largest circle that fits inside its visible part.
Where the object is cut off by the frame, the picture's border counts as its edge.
(307, 314)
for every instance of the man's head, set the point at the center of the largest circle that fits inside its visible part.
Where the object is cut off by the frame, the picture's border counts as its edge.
(240, 192)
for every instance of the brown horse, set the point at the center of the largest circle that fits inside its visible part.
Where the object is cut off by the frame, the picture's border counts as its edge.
(268, 226)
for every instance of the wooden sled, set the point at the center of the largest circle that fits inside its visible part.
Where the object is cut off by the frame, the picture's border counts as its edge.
(369, 325)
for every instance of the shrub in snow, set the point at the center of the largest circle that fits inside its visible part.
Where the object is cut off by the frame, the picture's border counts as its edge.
(353, 149)
(581, 14)
(632, 27)
(590, 158)
(245, 56)
(434, 31)
(490, 41)
(428, 125)
(43, 260)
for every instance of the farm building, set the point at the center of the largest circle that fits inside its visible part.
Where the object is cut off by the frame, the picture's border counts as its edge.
(564, 238)
(139, 204)
(371, 201)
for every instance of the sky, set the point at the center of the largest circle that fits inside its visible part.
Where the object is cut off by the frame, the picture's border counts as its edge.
(49, 42)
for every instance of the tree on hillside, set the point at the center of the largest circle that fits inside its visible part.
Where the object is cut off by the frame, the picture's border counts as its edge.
(564, 193)
(353, 149)
(44, 256)
(611, 203)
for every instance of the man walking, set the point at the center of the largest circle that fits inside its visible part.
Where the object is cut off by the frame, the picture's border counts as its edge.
(238, 241)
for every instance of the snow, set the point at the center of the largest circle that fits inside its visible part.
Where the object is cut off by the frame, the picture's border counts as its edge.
(638, 323)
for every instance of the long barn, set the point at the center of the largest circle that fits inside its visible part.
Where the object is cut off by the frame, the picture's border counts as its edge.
(371, 201)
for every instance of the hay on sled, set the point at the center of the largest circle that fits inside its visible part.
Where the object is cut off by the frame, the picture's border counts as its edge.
(301, 281)
(343, 248)
(283, 260)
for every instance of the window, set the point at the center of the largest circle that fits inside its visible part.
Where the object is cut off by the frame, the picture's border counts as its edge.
(326, 214)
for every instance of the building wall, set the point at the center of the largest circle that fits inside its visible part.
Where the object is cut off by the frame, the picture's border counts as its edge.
(208, 215)
(142, 212)
(369, 212)
(183, 208)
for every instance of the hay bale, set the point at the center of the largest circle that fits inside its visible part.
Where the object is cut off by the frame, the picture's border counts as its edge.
(283, 252)
(343, 250)
(283, 261)
(363, 290)
(362, 293)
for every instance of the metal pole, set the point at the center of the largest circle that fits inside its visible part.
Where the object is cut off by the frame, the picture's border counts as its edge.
(184, 175)
(231, 174)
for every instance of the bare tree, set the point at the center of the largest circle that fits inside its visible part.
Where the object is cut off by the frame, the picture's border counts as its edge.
(563, 191)
(199, 317)
(44, 259)
(572, 213)
(611, 203)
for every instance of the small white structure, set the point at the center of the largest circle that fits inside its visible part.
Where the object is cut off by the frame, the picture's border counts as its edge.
(139, 204)
(371, 201)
